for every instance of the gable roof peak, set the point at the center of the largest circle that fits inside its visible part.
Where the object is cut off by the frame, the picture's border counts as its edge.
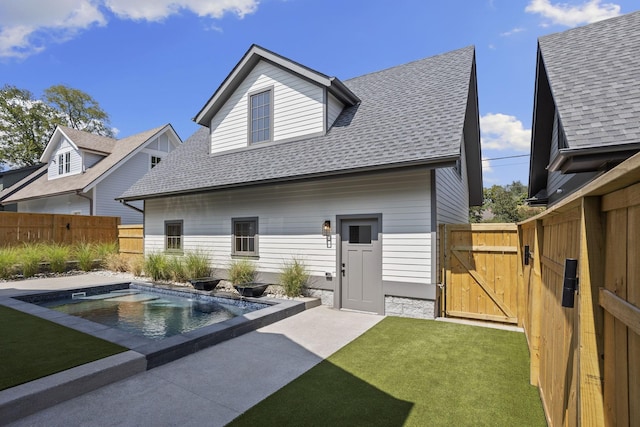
(250, 59)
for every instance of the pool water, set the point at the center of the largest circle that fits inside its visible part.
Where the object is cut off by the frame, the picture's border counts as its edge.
(145, 313)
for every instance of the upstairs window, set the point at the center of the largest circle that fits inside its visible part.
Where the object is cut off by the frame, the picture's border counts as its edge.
(173, 235)
(245, 236)
(260, 116)
(154, 161)
(64, 163)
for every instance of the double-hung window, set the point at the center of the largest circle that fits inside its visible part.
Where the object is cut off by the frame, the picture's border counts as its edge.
(245, 236)
(173, 235)
(261, 116)
(64, 163)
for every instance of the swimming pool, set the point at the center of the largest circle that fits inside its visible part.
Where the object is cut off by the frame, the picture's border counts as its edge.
(151, 314)
(248, 314)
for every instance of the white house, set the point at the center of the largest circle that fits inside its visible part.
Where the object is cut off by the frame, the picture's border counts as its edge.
(83, 173)
(351, 177)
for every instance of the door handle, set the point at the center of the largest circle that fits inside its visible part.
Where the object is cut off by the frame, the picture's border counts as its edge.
(343, 269)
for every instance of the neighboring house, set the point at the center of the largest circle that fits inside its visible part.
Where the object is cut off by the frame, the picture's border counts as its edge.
(84, 173)
(351, 177)
(586, 114)
(9, 179)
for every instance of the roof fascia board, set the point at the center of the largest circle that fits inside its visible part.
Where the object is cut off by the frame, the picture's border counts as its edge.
(471, 132)
(443, 162)
(604, 153)
(541, 129)
(126, 158)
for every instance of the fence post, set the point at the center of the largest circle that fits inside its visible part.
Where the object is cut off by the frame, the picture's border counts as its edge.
(590, 324)
(536, 303)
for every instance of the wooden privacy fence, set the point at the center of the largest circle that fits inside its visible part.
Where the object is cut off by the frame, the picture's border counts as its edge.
(131, 239)
(480, 271)
(586, 359)
(18, 228)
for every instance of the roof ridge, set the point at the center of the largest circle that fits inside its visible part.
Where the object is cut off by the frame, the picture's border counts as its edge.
(471, 46)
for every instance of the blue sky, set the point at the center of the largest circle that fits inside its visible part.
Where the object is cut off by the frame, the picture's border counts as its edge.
(151, 62)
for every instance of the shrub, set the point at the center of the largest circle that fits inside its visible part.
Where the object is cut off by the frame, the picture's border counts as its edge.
(85, 254)
(156, 265)
(8, 260)
(116, 262)
(242, 271)
(176, 269)
(136, 265)
(30, 257)
(58, 255)
(104, 250)
(294, 277)
(197, 265)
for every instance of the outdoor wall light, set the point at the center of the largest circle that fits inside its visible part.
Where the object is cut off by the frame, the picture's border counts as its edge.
(326, 231)
(570, 285)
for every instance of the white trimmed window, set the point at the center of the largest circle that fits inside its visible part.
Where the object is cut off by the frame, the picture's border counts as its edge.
(64, 163)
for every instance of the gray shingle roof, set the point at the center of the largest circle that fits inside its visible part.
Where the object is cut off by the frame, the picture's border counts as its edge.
(409, 114)
(89, 141)
(43, 187)
(594, 73)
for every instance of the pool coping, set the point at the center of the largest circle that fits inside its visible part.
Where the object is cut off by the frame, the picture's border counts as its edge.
(143, 354)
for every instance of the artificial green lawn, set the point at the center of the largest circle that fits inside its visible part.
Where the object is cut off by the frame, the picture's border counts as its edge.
(32, 348)
(415, 373)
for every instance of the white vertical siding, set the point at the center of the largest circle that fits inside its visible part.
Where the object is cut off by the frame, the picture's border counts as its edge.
(334, 108)
(452, 193)
(297, 108)
(291, 216)
(66, 204)
(117, 183)
(76, 160)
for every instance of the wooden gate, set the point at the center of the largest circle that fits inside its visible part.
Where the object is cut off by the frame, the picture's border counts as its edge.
(479, 263)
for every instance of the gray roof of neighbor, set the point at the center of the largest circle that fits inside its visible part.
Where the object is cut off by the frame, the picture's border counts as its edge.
(119, 150)
(408, 115)
(594, 74)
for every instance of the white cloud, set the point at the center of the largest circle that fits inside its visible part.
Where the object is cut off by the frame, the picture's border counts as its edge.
(157, 10)
(25, 24)
(486, 165)
(501, 132)
(28, 26)
(512, 32)
(573, 15)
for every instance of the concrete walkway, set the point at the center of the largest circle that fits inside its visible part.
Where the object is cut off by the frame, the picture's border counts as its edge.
(215, 385)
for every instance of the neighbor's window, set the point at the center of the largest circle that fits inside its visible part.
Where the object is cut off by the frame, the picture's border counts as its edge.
(154, 161)
(173, 235)
(245, 236)
(64, 163)
(260, 116)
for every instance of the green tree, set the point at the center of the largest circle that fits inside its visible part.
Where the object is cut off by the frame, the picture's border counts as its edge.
(505, 203)
(25, 126)
(27, 123)
(78, 109)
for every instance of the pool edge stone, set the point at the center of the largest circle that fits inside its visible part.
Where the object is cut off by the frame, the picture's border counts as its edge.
(34, 396)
